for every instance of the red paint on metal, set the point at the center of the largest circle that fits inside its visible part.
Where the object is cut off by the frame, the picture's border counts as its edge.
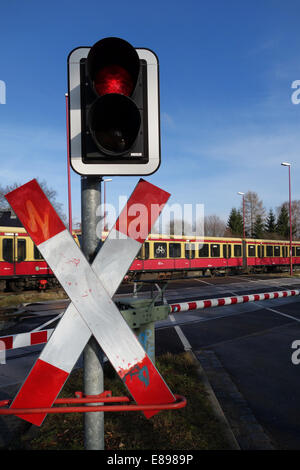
(181, 263)
(137, 265)
(143, 377)
(35, 212)
(192, 305)
(8, 340)
(176, 308)
(207, 303)
(40, 390)
(38, 337)
(136, 219)
(179, 403)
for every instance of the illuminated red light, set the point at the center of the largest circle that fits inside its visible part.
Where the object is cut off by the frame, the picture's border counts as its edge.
(113, 79)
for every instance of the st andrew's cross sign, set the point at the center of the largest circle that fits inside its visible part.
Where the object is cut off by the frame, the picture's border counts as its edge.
(90, 289)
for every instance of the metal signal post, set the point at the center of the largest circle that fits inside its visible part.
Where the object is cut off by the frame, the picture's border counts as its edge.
(93, 381)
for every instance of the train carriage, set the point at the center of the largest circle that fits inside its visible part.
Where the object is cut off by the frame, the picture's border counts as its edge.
(161, 256)
(21, 264)
(213, 255)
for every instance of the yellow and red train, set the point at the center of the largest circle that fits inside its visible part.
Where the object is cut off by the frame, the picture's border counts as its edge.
(22, 266)
(165, 254)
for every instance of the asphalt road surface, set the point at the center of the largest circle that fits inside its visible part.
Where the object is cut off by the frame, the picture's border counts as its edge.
(251, 344)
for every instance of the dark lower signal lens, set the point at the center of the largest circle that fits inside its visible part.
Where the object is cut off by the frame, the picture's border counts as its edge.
(114, 122)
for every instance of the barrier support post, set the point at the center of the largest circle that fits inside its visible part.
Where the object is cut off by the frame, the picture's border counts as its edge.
(141, 315)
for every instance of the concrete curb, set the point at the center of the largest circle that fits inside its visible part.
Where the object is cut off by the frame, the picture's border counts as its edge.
(247, 432)
(214, 402)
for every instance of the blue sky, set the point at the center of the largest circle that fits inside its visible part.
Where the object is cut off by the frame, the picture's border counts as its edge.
(226, 70)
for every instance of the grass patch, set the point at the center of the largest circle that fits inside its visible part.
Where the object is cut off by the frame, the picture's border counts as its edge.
(14, 300)
(194, 427)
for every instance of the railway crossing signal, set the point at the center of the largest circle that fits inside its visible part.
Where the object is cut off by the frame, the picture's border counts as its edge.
(90, 288)
(114, 126)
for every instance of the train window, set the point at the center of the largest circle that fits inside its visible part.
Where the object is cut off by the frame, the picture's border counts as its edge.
(251, 250)
(224, 251)
(189, 250)
(36, 253)
(269, 250)
(237, 250)
(175, 250)
(7, 247)
(160, 250)
(215, 251)
(284, 251)
(144, 251)
(293, 251)
(203, 251)
(21, 247)
(276, 250)
(297, 250)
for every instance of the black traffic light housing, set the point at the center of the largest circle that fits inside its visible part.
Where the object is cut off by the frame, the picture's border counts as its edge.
(116, 105)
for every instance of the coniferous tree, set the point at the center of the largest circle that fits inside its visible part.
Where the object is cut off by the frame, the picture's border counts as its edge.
(282, 226)
(258, 229)
(235, 222)
(271, 222)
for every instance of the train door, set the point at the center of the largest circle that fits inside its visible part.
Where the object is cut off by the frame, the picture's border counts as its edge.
(227, 253)
(260, 254)
(20, 255)
(8, 253)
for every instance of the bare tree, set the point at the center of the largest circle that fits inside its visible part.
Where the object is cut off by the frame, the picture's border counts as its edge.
(50, 193)
(253, 209)
(214, 226)
(178, 227)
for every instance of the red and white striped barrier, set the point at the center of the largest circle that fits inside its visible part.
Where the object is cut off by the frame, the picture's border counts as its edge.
(23, 340)
(201, 304)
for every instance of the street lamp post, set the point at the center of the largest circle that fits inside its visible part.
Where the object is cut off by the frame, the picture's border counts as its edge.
(290, 211)
(243, 194)
(104, 221)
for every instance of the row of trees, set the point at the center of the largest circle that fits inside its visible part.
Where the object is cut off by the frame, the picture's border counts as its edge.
(258, 224)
